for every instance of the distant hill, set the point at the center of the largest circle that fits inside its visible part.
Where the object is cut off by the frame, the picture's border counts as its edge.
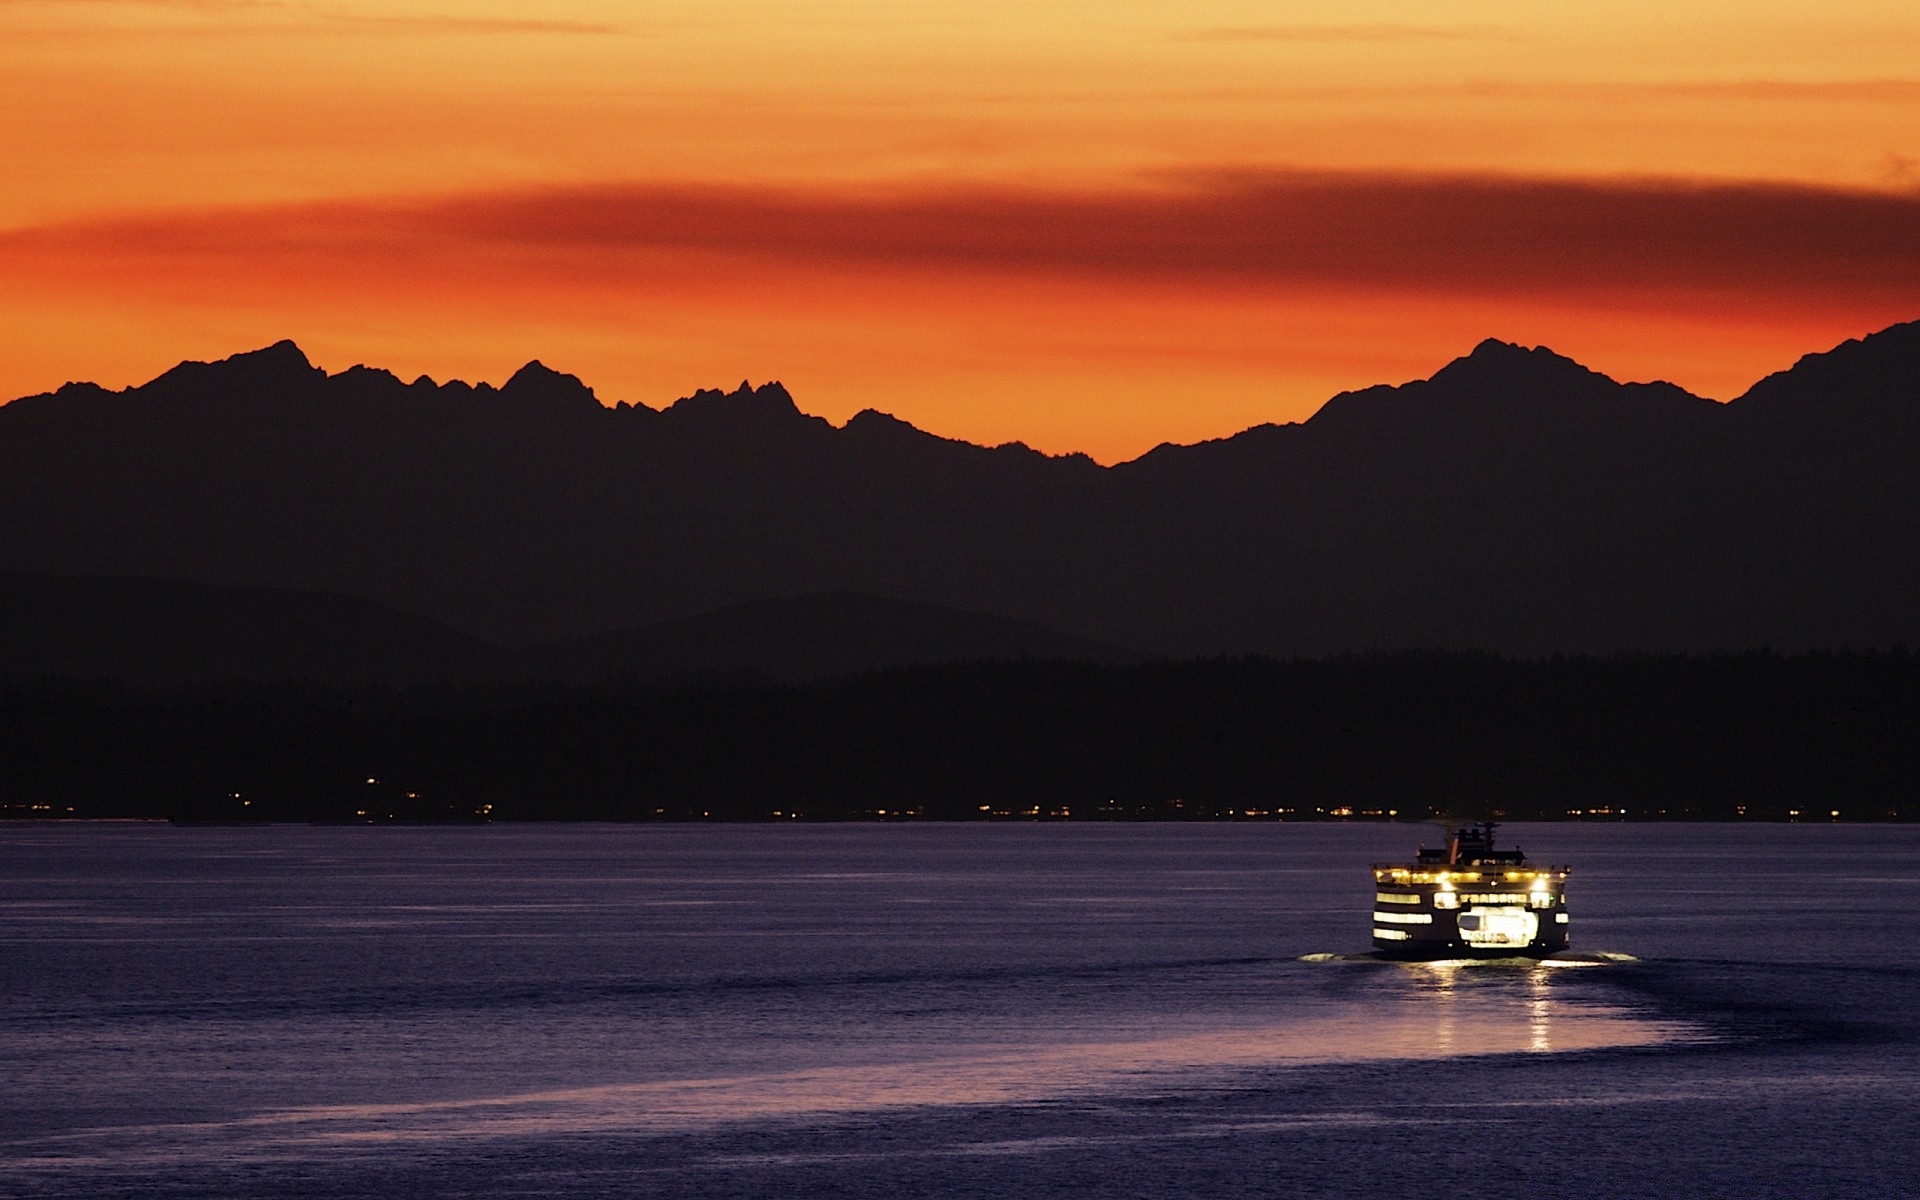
(1514, 502)
(809, 637)
(157, 633)
(148, 631)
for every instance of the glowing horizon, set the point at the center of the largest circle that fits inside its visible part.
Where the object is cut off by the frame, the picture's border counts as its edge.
(1082, 227)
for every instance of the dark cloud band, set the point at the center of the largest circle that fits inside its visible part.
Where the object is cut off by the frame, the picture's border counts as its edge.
(1476, 234)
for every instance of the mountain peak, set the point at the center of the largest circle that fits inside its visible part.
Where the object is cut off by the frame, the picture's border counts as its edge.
(1501, 385)
(538, 382)
(283, 358)
(270, 368)
(772, 391)
(745, 405)
(1880, 367)
(285, 352)
(1505, 366)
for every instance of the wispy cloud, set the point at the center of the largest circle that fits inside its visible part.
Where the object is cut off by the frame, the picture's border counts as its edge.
(192, 5)
(283, 16)
(1895, 91)
(455, 24)
(1905, 91)
(1380, 32)
(1467, 235)
(1425, 232)
(1883, 91)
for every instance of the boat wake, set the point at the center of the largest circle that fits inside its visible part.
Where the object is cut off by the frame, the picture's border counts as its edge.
(1562, 958)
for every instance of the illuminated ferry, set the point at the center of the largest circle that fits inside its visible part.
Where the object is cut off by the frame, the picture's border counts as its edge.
(1469, 900)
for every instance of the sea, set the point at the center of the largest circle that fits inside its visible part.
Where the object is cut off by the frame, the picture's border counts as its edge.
(920, 1010)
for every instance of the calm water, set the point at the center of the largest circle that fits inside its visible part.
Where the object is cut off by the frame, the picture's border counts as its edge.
(867, 1011)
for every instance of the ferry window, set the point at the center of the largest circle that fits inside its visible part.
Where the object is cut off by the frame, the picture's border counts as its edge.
(1396, 898)
(1392, 935)
(1404, 918)
(1446, 900)
(1499, 927)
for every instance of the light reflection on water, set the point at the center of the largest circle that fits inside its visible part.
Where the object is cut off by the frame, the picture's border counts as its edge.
(1413, 1012)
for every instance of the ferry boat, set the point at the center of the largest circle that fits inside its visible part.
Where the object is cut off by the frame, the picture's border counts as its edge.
(1469, 900)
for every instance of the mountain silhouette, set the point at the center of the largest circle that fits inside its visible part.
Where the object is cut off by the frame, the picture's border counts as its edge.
(1515, 502)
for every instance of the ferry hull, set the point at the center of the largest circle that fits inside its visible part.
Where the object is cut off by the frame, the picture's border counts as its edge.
(1437, 950)
(1470, 900)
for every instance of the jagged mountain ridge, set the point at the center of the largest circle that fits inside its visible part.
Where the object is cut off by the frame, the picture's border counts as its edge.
(1515, 501)
(521, 513)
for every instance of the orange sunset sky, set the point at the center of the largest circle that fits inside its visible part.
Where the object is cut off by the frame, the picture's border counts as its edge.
(1087, 226)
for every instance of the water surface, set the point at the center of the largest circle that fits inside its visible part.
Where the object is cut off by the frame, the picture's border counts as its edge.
(961, 1010)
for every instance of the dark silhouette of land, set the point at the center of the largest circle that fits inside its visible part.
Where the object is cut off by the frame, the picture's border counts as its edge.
(250, 591)
(1516, 502)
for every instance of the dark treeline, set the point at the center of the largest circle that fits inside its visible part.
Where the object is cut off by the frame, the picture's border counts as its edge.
(1758, 736)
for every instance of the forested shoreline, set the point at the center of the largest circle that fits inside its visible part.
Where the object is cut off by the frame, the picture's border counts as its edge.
(1755, 736)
